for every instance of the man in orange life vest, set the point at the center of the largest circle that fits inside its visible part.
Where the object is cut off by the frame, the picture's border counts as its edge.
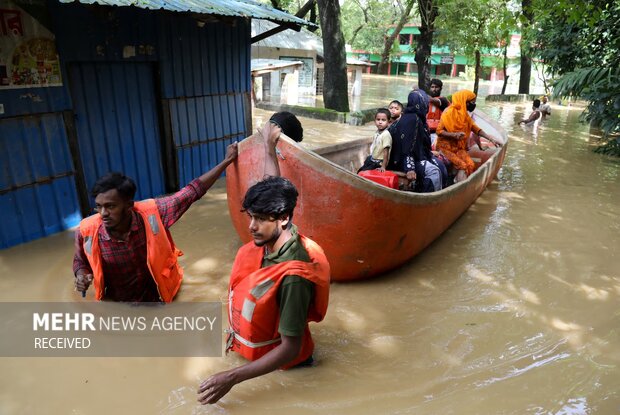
(437, 104)
(132, 257)
(279, 282)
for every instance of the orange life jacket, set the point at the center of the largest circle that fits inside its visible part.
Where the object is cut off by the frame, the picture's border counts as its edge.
(253, 310)
(432, 117)
(161, 253)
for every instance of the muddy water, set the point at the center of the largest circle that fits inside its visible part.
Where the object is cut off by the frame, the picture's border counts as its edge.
(514, 310)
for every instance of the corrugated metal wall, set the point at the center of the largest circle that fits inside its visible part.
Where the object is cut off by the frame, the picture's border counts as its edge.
(116, 122)
(37, 186)
(205, 79)
(157, 95)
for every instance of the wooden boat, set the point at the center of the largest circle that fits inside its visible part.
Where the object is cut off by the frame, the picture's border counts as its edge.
(365, 229)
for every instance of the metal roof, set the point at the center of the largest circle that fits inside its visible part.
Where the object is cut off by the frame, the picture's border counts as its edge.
(302, 40)
(269, 65)
(237, 8)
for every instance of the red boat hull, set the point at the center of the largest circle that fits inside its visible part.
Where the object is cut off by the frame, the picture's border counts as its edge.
(364, 228)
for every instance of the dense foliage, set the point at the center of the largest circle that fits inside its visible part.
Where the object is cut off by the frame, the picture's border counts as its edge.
(579, 41)
(473, 28)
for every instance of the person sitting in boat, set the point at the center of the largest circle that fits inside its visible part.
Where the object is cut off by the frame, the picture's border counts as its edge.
(454, 130)
(279, 283)
(396, 110)
(411, 154)
(535, 115)
(381, 144)
(437, 105)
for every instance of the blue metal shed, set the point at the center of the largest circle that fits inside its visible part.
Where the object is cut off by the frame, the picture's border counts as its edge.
(155, 94)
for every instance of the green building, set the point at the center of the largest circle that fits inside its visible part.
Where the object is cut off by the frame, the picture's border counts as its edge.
(443, 61)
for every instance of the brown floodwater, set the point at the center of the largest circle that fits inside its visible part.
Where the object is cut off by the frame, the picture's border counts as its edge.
(514, 310)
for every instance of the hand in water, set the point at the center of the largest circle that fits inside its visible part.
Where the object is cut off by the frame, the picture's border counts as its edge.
(214, 388)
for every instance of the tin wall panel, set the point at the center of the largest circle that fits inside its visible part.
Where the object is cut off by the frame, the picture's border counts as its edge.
(98, 33)
(37, 186)
(202, 128)
(117, 123)
(209, 60)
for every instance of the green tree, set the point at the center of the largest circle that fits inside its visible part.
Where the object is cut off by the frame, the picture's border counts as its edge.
(388, 44)
(366, 22)
(470, 28)
(579, 41)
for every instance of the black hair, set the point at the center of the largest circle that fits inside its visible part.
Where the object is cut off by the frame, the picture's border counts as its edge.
(437, 82)
(385, 111)
(273, 196)
(536, 103)
(397, 102)
(289, 124)
(125, 187)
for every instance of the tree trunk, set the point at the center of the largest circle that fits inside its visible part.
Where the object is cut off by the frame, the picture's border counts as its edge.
(389, 41)
(505, 68)
(428, 13)
(477, 72)
(526, 61)
(335, 94)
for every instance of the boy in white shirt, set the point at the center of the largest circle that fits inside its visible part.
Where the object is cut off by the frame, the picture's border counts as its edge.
(381, 144)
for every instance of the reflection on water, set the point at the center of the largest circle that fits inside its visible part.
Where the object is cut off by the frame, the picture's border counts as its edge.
(514, 310)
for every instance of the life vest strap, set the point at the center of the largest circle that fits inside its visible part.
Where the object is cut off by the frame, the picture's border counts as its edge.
(232, 335)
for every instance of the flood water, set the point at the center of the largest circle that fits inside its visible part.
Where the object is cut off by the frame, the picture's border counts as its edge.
(514, 310)
(379, 90)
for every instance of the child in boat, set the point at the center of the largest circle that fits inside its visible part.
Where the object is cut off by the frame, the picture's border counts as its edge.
(381, 144)
(396, 109)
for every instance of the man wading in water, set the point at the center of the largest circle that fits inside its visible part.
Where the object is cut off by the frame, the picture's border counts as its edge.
(125, 249)
(279, 282)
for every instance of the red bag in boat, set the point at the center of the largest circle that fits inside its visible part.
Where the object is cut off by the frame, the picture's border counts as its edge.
(386, 178)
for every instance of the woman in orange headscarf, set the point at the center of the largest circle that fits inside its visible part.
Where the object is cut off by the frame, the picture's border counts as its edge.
(454, 130)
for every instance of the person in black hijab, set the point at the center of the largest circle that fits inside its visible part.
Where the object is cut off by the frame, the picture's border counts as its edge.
(411, 146)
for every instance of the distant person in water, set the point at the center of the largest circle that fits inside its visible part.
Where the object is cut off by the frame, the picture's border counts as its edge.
(545, 107)
(535, 115)
(125, 249)
(381, 143)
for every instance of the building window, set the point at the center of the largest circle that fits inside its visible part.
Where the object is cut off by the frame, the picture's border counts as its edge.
(404, 39)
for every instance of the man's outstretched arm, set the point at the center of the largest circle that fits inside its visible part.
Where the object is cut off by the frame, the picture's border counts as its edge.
(212, 175)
